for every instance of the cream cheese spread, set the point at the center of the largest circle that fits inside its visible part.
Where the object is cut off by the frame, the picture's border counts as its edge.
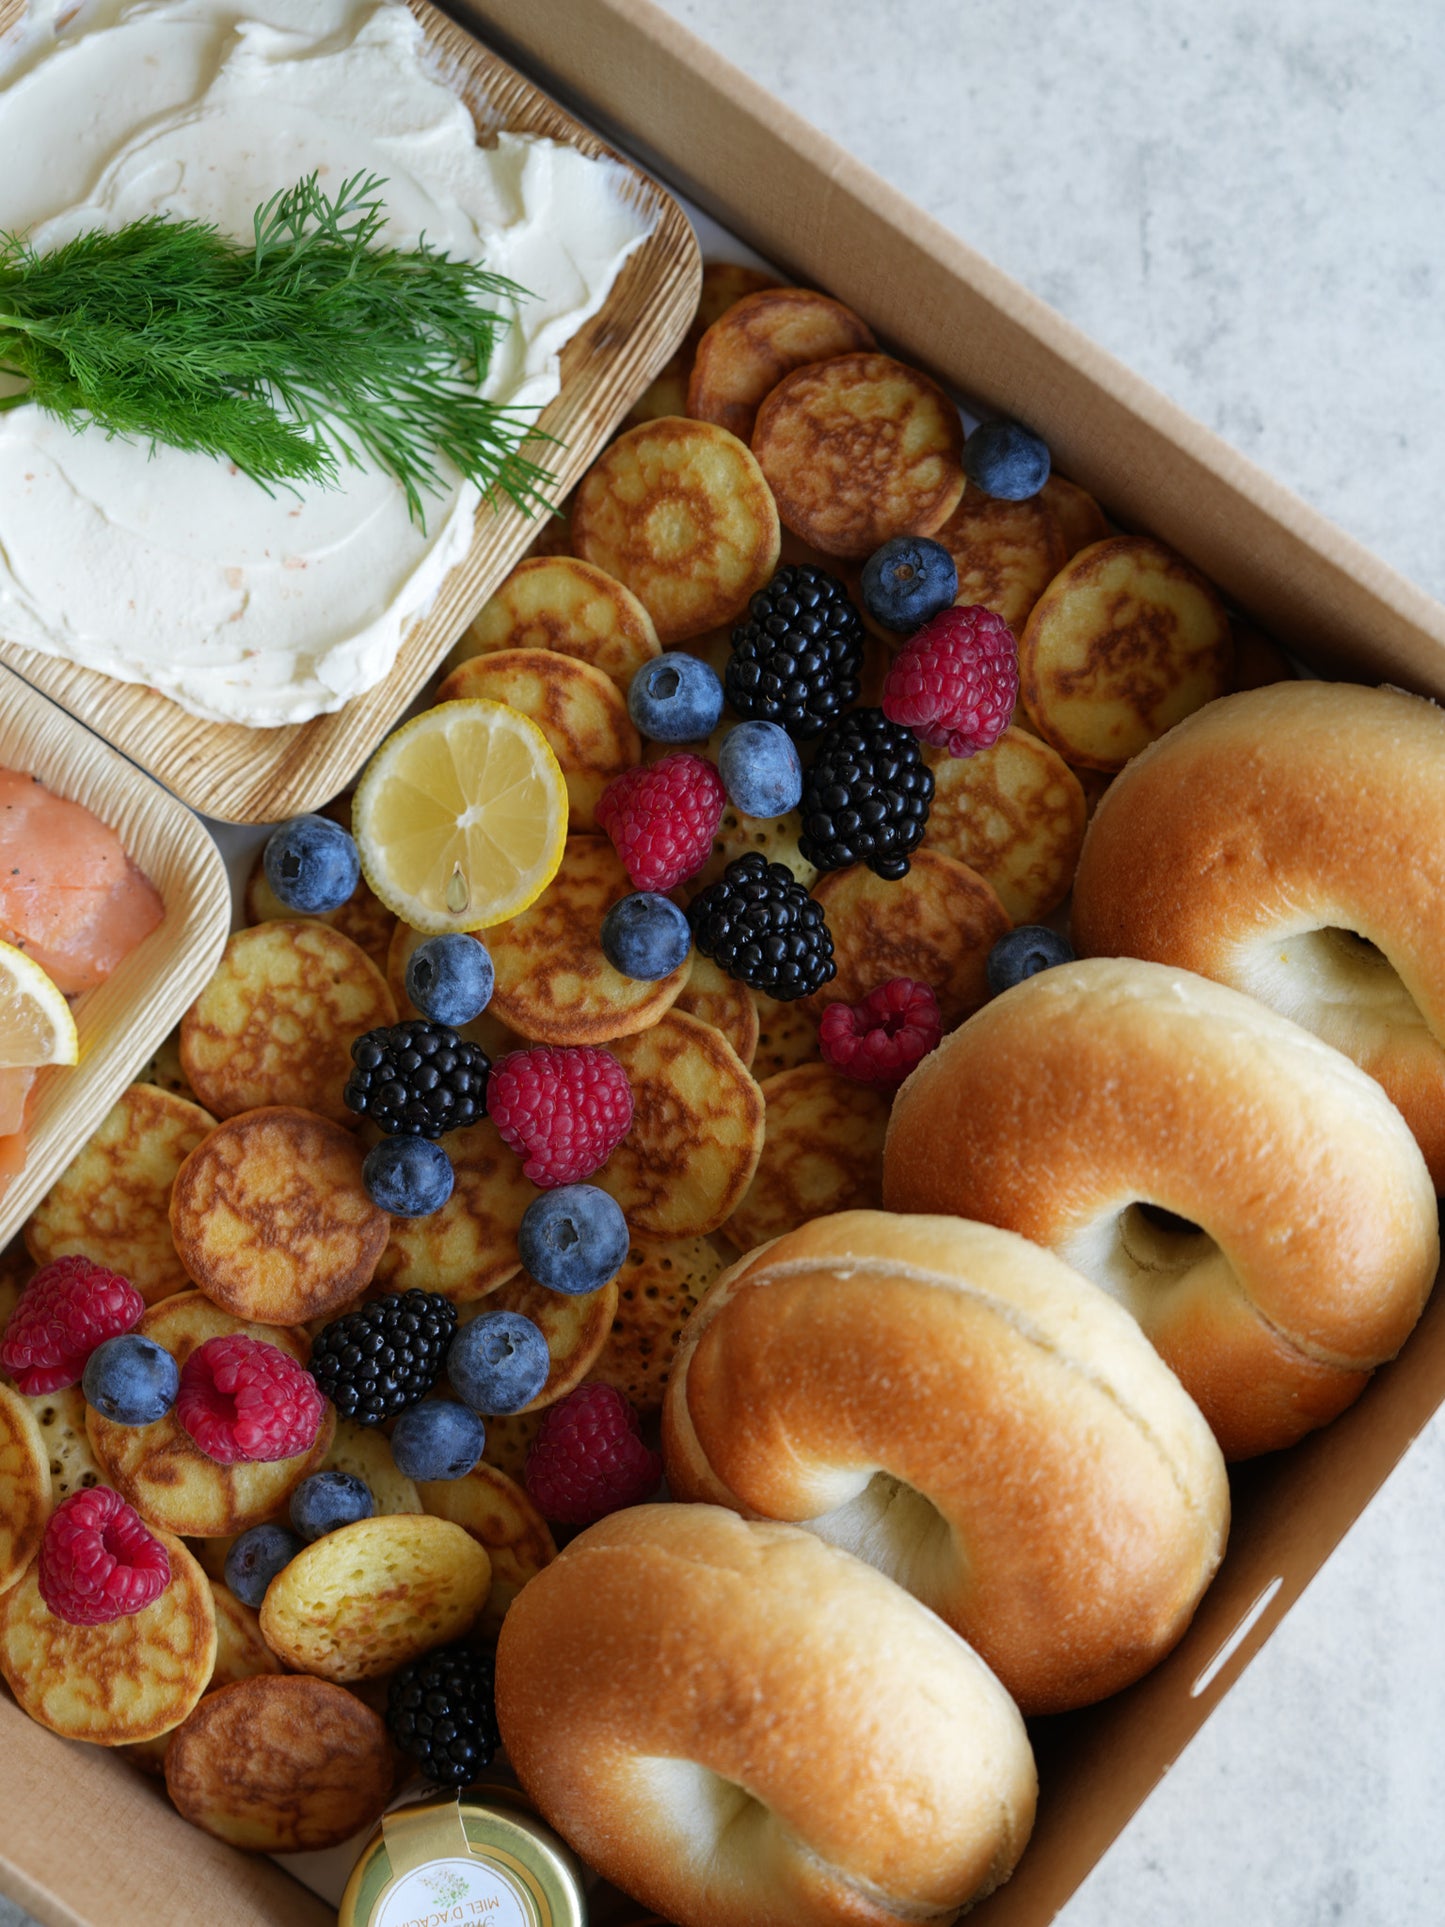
(169, 568)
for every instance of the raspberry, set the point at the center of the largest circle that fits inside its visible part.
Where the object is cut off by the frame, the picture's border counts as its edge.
(879, 1041)
(69, 1307)
(662, 818)
(955, 683)
(97, 1561)
(243, 1399)
(563, 1111)
(588, 1458)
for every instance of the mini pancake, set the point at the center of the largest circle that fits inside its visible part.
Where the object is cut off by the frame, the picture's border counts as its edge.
(469, 1246)
(578, 709)
(660, 1282)
(25, 1498)
(679, 511)
(365, 1452)
(363, 917)
(574, 1326)
(497, 1513)
(553, 984)
(169, 1480)
(488, 1030)
(860, 449)
(1007, 553)
(370, 1596)
(1015, 813)
(129, 1680)
(724, 284)
(1080, 517)
(936, 925)
(276, 1023)
(61, 1418)
(556, 602)
(697, 1130)
(112, 1202)
(787, 1035)
(272, 1220)
(777, 838)
(241, 1653)
(1126, 641)
(509, 1440)
(281, 1765)
(823, 1153)
(750, 348)
(1258, 659)
(723, 1002)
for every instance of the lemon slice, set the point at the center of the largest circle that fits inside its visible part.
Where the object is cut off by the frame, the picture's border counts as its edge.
(36, 1026)
(461, 817)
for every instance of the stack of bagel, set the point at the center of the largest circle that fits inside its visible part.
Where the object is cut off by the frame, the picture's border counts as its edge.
(962, 1460)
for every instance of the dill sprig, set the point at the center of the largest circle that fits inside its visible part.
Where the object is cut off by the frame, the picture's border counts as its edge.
(311, 348)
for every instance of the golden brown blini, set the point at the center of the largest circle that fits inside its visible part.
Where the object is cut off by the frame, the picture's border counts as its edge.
(961, 1410)
(744, 1727)
(1086, 1101)
(1261, 839)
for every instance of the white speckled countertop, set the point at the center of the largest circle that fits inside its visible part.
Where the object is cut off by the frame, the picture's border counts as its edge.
(1244, 202)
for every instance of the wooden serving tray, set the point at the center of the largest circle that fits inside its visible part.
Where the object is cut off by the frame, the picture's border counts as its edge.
(244, 775)
(122, 1020)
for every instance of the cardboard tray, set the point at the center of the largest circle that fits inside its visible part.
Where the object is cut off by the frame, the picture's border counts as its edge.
(826, 220)
(247, 775)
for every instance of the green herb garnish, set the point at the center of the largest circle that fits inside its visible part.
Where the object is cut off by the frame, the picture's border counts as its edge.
(310, 348)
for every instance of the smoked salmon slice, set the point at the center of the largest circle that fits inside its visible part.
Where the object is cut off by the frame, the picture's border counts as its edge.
(70, 897)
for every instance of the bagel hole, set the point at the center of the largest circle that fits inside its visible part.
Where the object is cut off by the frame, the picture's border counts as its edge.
(1157, 1239)
(1330, 980)
(712, 1818)
(895, 1527)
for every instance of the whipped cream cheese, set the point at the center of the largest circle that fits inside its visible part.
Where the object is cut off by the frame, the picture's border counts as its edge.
(169, 568)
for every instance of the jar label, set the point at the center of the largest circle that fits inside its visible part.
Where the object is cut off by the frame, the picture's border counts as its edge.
(469, 1893)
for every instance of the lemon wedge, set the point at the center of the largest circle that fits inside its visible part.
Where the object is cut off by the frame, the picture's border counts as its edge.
(461, 817)
(36, 1026)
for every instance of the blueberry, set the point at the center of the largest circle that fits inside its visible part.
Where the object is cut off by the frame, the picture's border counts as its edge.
(449, 979)
(437, 1439)
(908, 580)
(131, 1380)
(499, 1362)
(645, 936)
(327, 1500)
(255, 1559)
(760, 769)
(1006, 460)
(1024, 953)
(573, 1239)
(311, 864)
(675, 699)
(408, 1176)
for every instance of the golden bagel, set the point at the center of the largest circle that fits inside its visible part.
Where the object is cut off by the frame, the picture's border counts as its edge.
(1091, 1097)
(682, 1693)
(986, 1427)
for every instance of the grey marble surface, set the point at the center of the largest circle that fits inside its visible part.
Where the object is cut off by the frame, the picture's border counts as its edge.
(1243, 202)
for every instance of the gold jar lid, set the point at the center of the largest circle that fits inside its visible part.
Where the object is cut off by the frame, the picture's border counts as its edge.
(483, 1860)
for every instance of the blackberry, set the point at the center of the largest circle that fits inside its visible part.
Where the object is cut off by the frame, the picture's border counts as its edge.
(866, 798)
(417, 1079)
(759, 924)
(385, 1357)
(441, 1711)
(797, 653)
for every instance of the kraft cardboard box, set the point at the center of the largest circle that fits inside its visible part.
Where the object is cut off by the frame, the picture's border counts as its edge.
(84, 1841)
